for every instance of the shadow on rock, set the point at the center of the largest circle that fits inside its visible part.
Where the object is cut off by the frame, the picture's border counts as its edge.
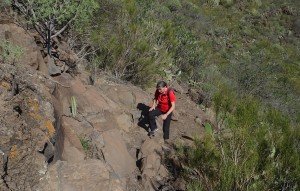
(143, 120)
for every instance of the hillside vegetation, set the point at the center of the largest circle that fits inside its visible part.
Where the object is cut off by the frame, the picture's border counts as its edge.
(250, 47)
(243, 55)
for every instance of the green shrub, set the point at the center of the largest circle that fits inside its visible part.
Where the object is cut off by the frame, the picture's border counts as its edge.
(10, 53)
(4, 3)
(54, 16)
(85, 144)
(195, 186)
(261, 153)
(138, 50)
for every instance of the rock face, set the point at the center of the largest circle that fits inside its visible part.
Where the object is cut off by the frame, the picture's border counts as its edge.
(70, 148)
(26, 130)
(94, 133)
(151, 157)
(116, 154)
(92, 175)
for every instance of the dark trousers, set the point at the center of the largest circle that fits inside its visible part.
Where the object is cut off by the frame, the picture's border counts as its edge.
(166, 125)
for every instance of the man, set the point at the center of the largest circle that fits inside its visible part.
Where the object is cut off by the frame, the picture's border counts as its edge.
(164, 105)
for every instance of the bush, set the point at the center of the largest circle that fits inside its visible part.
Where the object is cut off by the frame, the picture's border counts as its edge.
(257, 150)
(4, 3)
(10, 53)
(51, 18)
(85, 144)
(139, 50)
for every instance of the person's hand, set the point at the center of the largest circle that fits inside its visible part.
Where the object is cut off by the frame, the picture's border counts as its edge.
(164, 116)
(151, 108)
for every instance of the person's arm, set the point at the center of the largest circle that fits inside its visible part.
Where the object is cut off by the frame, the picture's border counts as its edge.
(164, 116)
(153, 105)
(155, 101)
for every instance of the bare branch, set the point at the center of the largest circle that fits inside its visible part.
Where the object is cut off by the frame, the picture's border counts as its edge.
(21, 7)
(31, 10)
(81, 57)
(64, 28)
(38, 29)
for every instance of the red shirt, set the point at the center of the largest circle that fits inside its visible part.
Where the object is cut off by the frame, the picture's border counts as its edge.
(163, 100)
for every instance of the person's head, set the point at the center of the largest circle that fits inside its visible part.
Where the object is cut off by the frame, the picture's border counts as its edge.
(161, 86)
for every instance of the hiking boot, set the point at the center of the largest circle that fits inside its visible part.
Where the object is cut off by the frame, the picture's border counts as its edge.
(153, 130)
(167, 142)
(152, 133)
(166, 146)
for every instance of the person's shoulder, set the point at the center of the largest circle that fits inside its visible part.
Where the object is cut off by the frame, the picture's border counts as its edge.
(171, 90)
(172, 93)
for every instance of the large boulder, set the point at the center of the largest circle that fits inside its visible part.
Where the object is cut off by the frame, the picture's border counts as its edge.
(151, 164)
(151, 159)
(116, 153)
(68, 146)
(91, 175)
(125, 121)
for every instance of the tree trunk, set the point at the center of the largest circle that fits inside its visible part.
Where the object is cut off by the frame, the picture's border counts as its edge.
(48, 42)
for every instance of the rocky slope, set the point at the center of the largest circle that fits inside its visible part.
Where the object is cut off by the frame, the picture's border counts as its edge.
(105, 146)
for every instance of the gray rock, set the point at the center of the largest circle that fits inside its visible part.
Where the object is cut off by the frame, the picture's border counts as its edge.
(68, 146)
(152, 159)
(125, 121)
(116, 153)
(91, 175)
(52, 68)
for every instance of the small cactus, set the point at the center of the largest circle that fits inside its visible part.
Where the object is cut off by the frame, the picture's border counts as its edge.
(73, 106)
